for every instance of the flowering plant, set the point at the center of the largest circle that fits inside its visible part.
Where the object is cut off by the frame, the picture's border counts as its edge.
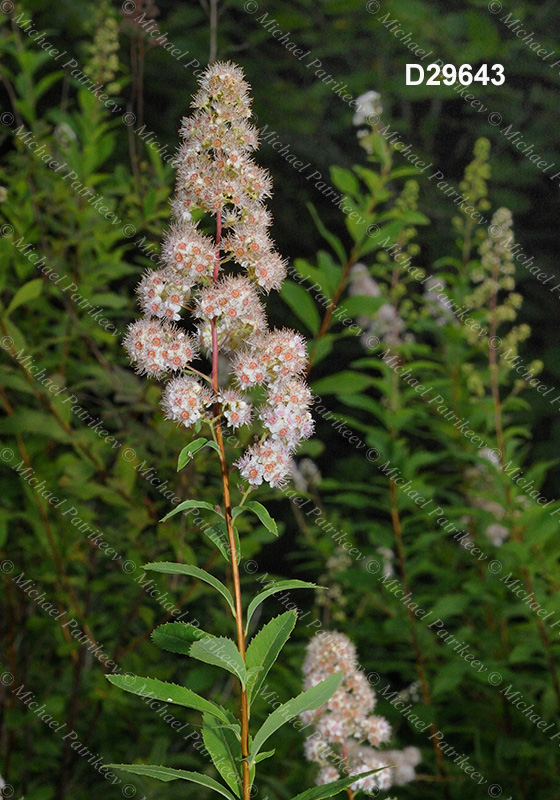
(218, 281)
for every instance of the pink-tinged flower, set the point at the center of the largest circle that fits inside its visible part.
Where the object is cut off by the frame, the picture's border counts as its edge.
(268, 461)
(248, 368)
(220, 281)
(163, 293)
(316, 750)
(377, 730)
(185, 400)
(189, 252)
(344, 727)
(159, 347)
(327, 775)
(288, 423)
(290, 390)
(365, 759)
(238, 312)
(237, 410)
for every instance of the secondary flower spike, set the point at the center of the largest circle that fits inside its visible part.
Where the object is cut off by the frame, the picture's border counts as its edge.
(206, 301)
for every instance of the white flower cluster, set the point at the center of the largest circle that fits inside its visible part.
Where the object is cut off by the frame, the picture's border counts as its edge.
(217, 175)
(347, 735)
(387, 325)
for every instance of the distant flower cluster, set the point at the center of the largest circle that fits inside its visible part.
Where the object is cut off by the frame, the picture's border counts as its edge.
(216, 175)
(387, 325)
(347, 735)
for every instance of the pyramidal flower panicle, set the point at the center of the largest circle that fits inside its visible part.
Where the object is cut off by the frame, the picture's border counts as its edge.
(348, 736)
(205, 304)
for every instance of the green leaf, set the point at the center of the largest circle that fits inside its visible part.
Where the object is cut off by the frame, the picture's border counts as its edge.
(342, 383)
(29, 291)
(177, 637)
(334, 242)
(278, 586)
(330, 789)
(263, 756)
(225, 750)
(266, 646)
(345, 180)
(302, 304)
(220, 652)
(168, 693)
(191, 504)
(261, 512)
(306, 701)
(188, 452)
(166, 774)
(169, 568)
(218, 535)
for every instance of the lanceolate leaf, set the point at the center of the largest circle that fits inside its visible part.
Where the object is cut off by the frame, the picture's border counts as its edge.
(261, 512)
(330, 789)
(273, 589)
(266, 646)
(170, 568)
(187, 452)
(225, 749)
(301, 303)
(221, 652)
(311, 699)
(168, 693)
(218, 535)
(191, 504)
(177, 637)
(166, 774)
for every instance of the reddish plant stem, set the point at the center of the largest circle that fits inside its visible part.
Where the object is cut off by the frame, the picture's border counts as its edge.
(246, 775)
